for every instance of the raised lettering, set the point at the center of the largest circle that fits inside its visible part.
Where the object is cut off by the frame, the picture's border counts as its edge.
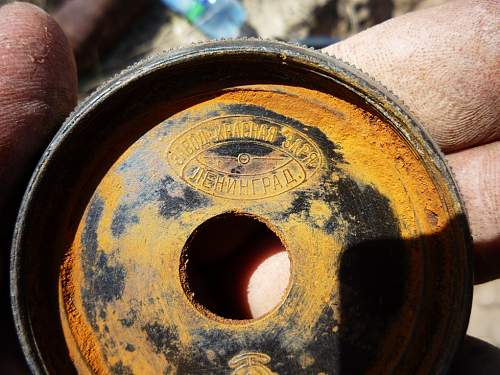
(229, 131)
(255, 130)
(238, 130)
(247, 129)
(209, 180)
(253, 184)
(277, 157)
(271, 134)
(305, 149)
(289, 178)
(311, 160)
(266, 183)
(195, 177)
(220, 133)
(295, 146)
(188, 148)
(276, 182)
(288, 134)
(194, 144)
(243, 186)
(262, 132)
(176, 158)
(203, 137)
(219, 183)
(231, 186)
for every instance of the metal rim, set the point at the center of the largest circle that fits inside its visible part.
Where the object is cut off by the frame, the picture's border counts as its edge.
(328, 66)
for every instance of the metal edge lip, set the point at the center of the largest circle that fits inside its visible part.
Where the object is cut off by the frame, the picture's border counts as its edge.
(332, 68)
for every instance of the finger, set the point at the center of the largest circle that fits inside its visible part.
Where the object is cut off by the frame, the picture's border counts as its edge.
(37, 91)
(443, 62)
(477, 172)
(268, 284)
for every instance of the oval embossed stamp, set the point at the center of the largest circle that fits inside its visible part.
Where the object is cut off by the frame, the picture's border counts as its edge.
(244, 157)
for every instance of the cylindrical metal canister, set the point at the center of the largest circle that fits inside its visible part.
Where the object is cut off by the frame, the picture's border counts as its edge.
(233, 132)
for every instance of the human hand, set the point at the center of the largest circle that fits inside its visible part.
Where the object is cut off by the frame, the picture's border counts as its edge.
(447, 75)
(38, 89)
(443, 63)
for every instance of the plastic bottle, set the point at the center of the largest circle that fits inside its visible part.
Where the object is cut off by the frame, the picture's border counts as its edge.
(215, 18)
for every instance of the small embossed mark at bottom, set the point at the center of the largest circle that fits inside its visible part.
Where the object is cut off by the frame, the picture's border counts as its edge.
(250, 363)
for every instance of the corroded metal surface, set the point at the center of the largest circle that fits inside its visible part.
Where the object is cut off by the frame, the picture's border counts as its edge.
(363, 202)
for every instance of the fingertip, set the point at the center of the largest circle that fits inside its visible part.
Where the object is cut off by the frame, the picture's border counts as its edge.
(446, 73)
(37, 62)
(477, 173)
(18, 7)
(38, 85)
(268, 284)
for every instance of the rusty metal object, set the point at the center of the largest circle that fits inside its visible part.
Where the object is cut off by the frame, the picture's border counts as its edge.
(381, 272)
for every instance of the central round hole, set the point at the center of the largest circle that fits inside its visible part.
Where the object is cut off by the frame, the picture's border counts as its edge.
(235, 267)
